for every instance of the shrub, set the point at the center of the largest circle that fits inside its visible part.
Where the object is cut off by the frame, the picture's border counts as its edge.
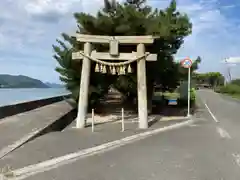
(184, 101)
(193, 94)
(236, 82)
(230, 89)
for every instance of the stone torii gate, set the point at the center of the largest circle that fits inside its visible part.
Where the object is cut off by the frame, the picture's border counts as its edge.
(120, 67)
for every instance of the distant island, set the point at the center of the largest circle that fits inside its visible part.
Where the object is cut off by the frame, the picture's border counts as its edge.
(54, 85)
(20, 81)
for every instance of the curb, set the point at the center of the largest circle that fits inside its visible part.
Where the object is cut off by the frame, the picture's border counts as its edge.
(66, 159)
(174, 118)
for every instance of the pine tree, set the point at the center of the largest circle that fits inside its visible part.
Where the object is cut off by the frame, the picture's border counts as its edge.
(133, 17)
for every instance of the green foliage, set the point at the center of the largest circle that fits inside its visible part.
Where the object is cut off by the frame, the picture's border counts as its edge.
(193, 94)
(131, 17)
(236, 82)
(183, 102)
(68, 74)
(213, 79)
(230, 89)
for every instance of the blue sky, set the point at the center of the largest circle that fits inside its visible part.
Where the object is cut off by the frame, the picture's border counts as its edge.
(28, 28)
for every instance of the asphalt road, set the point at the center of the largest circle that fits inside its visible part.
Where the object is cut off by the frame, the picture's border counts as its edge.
(206, 150)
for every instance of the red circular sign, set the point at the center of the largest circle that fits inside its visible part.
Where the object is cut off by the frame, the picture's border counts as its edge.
(186, 63)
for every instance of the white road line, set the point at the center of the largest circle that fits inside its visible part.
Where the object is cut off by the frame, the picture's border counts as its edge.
(214, 118)
(236, 158)
(223, 133)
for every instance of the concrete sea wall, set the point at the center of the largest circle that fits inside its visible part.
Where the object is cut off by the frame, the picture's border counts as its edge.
(10, 110)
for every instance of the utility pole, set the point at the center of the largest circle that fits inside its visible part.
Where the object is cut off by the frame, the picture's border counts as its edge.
(228, 70)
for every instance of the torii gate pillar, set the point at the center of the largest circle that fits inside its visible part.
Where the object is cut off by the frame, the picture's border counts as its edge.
(142, 88)
(84, 84)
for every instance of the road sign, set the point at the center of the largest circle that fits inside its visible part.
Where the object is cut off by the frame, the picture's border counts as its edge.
(172, 102)
(186, 63)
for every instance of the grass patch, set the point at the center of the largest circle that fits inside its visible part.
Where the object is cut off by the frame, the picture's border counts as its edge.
(169, 95)
(157, 94)
(235, 96)
(232, 90)
(166, 95)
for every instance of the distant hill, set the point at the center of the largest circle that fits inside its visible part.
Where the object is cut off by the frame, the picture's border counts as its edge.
(54, 85)
(20, 81)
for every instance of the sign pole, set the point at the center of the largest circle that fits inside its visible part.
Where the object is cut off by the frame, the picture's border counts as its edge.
(187, 63)
(189, 90)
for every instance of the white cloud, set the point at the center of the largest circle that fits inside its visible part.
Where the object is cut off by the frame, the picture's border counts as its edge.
(228, 7)
(46, 6)
(233, 60)
(91, 6)
(215, 35)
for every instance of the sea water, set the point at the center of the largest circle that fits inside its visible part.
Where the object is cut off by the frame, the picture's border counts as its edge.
(13, 96)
